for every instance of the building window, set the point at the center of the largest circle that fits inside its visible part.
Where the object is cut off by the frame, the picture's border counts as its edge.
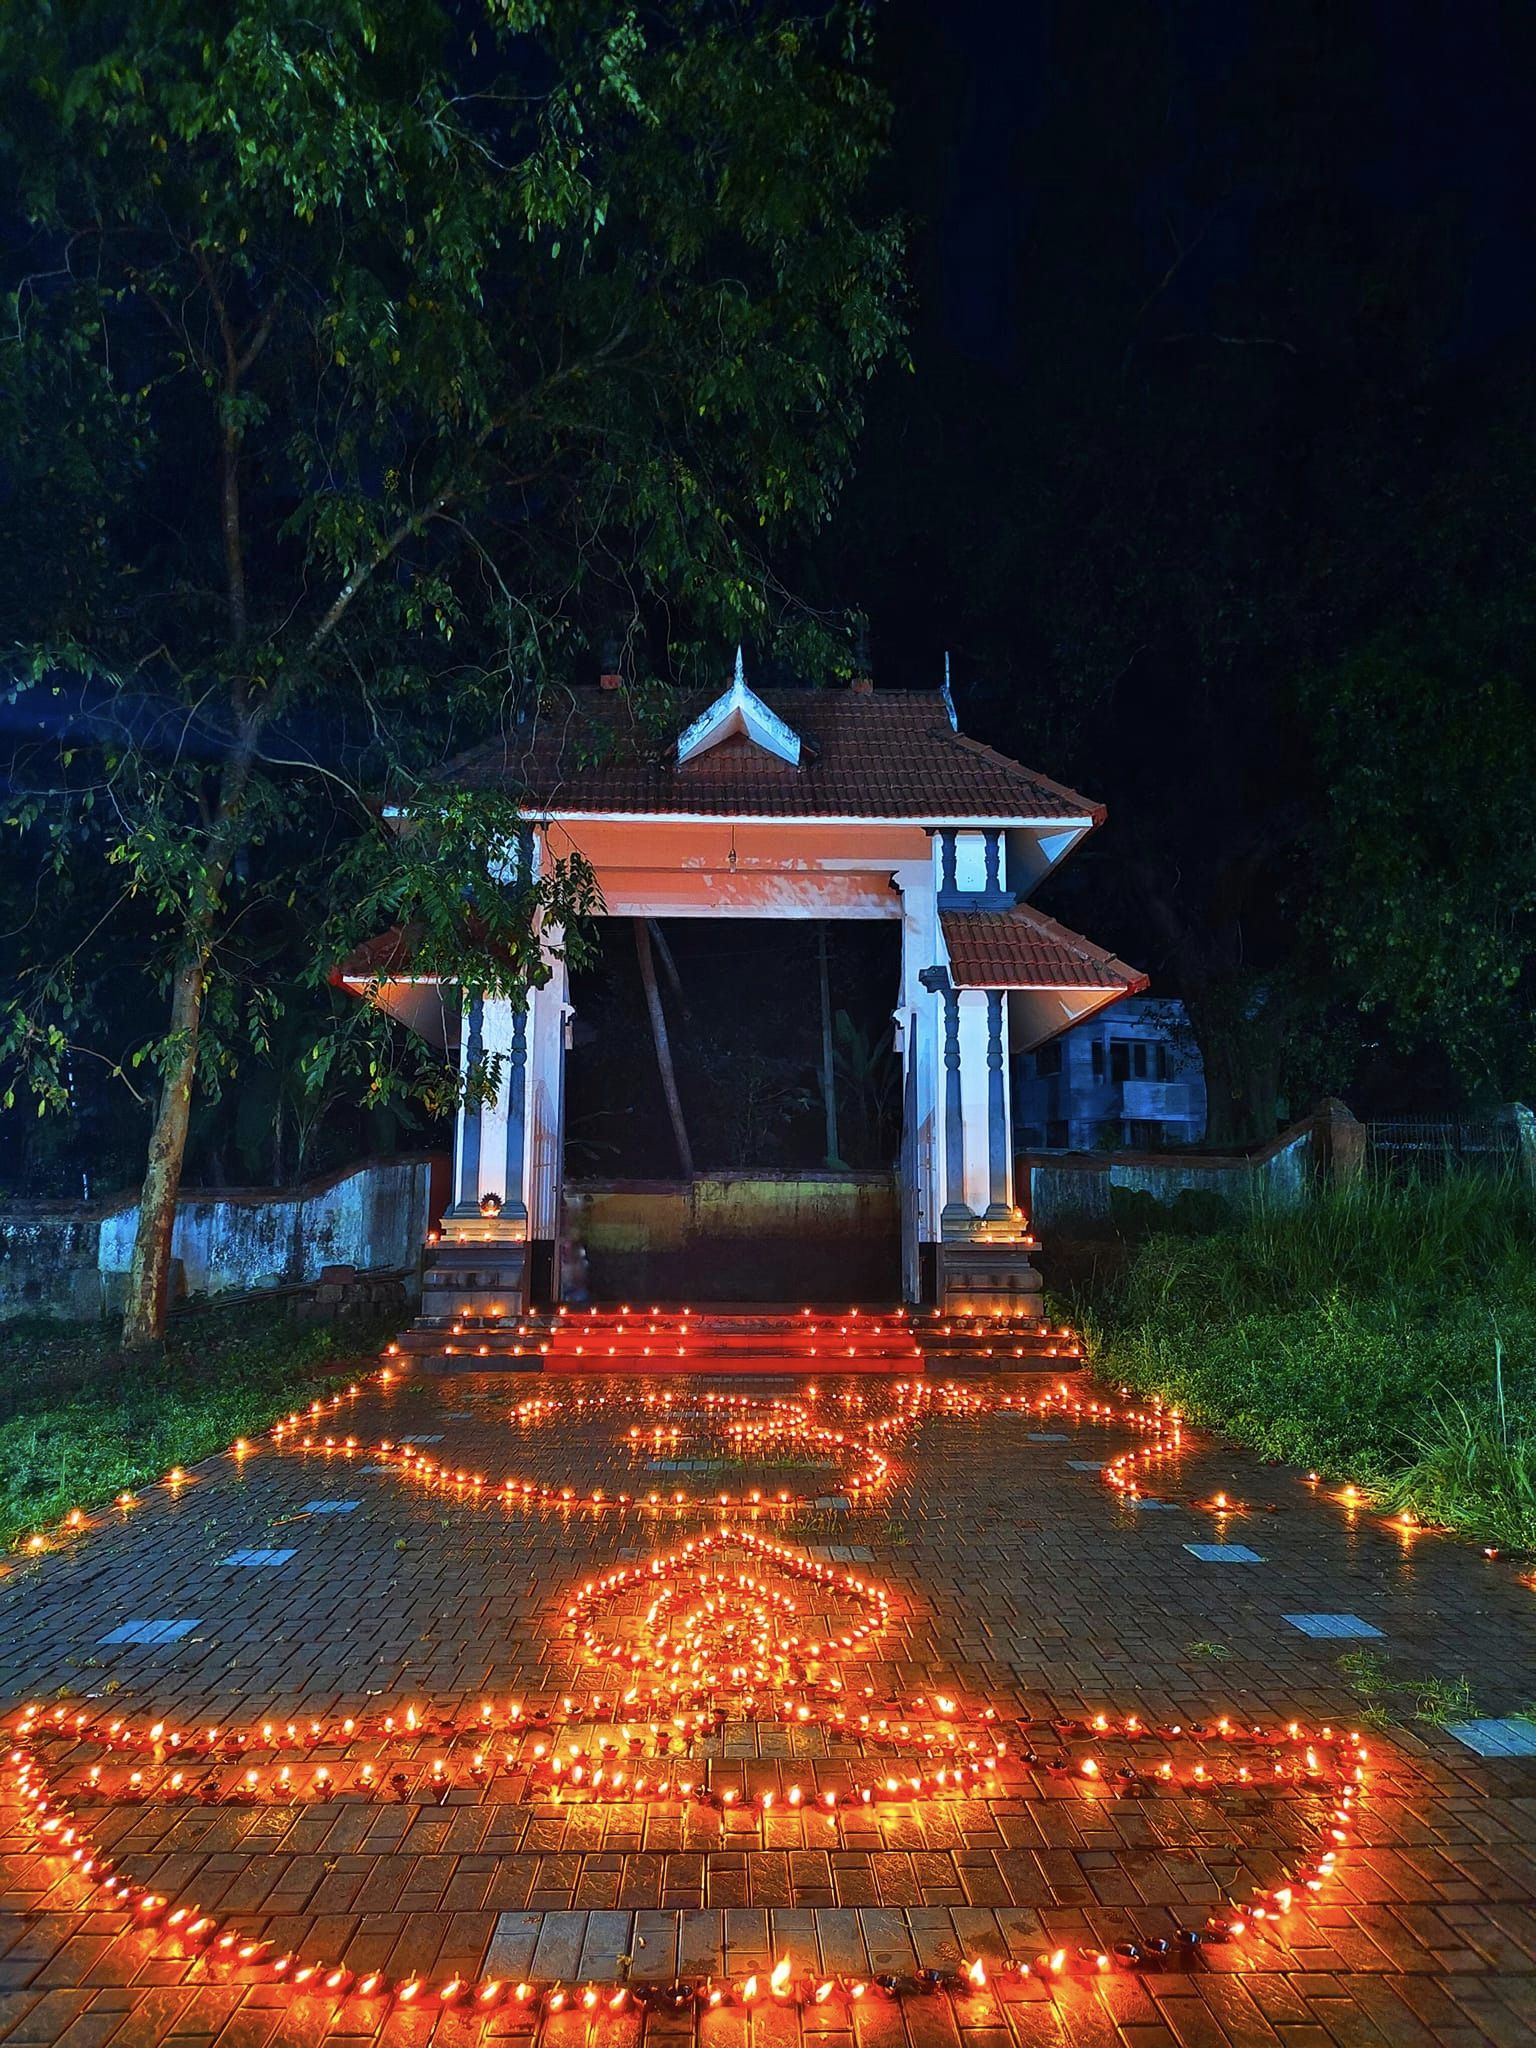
(1119, 1059)
(1048, 1059)
(1056, 1135)
(1098, 1059)
(1139, 1050)
(1162, 1063)
(1142, 1136)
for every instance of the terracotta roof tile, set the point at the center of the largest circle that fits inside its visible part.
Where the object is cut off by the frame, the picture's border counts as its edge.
(1023, 948)
(881, 755)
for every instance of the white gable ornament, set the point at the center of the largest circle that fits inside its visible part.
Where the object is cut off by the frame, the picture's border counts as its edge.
(739, 710)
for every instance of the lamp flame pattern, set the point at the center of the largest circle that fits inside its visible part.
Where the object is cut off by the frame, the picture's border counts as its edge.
(729, 1626)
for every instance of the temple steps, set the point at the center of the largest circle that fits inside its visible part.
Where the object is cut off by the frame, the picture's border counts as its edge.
(749, 1338)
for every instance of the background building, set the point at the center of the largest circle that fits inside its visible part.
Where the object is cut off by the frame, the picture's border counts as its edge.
(1131, 1077)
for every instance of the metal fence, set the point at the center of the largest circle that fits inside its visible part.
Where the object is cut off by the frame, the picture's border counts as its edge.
(1427, 1148)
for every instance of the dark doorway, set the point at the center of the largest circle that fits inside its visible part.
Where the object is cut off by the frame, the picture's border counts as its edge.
(768, 1214)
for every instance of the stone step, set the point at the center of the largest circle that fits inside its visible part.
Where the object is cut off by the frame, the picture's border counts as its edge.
(762, 1339)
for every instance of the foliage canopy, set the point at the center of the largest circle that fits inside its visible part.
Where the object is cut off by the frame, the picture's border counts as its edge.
(361, 365)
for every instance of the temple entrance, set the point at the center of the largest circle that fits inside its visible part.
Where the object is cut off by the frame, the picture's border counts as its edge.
(733, 1100)
(729, 841)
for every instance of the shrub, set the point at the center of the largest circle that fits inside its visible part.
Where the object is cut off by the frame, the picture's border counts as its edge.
(1382, 1332)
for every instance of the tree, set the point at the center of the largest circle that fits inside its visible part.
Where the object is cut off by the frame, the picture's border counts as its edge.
(357, 359)
(1427, 737)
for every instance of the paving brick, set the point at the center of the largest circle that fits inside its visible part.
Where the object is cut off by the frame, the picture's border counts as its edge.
(1014, 1578)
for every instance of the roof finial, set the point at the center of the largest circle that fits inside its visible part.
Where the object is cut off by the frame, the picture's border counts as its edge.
(739, 681)
(949, 700)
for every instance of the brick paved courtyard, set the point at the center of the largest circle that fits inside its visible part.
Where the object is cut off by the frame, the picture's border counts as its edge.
(293, 1585)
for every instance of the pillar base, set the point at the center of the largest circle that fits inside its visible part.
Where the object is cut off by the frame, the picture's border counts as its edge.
(474, 1278)
(465, 1223)
(957, 1221)
(987, 1277)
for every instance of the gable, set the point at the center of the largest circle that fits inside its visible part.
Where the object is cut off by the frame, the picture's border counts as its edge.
(739, 714)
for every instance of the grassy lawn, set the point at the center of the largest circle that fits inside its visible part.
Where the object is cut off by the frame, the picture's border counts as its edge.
(1381, 1334)
(82, 1421)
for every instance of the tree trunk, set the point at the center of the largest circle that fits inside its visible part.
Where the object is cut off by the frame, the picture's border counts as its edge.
(150, 1267)
(668, 965)
(149, 1271)
(1240, 1054)
(663, 1046)
(828, 1076)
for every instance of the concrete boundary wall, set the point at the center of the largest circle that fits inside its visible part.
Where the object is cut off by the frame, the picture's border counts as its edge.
(1074, 1191)
(70, 1260)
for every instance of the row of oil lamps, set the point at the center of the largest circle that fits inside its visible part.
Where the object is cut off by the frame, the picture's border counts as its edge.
(196, 1932)
(285, 1433)
(563, 1777)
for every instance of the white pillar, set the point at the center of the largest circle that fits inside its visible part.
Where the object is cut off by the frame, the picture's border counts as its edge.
(975, 1126)
(549, 1018)
(1002, 1086)
(466, 1131)
(920, 1017)
(504, 1122)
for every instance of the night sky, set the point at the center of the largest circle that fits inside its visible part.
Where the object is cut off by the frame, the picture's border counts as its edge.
(1451, 102)
(1221, 331)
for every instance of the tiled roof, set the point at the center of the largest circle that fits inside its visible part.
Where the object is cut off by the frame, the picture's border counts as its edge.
(884, 754)
(1023, 948)
(386, 953)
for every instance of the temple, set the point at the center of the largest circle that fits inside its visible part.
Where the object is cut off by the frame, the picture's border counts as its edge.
(811, 803)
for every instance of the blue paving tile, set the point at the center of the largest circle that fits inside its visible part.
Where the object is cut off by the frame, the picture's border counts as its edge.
(1511, 1737)
(1143, 1505)
(429, 1438)
(331, 1507)
(1049, 1436)
(1085, 1464)
(151, 1631)
(1223, 1553)
(256, 1557)
(1334, 1626)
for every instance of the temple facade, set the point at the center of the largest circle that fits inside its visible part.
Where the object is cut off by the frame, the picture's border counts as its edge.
(814, 803)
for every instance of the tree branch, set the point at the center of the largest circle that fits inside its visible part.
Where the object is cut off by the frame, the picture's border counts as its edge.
(393, 542)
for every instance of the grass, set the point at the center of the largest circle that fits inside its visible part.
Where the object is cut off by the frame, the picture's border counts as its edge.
(84, 1421)
(1382, 1333)
(1437, 1701)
